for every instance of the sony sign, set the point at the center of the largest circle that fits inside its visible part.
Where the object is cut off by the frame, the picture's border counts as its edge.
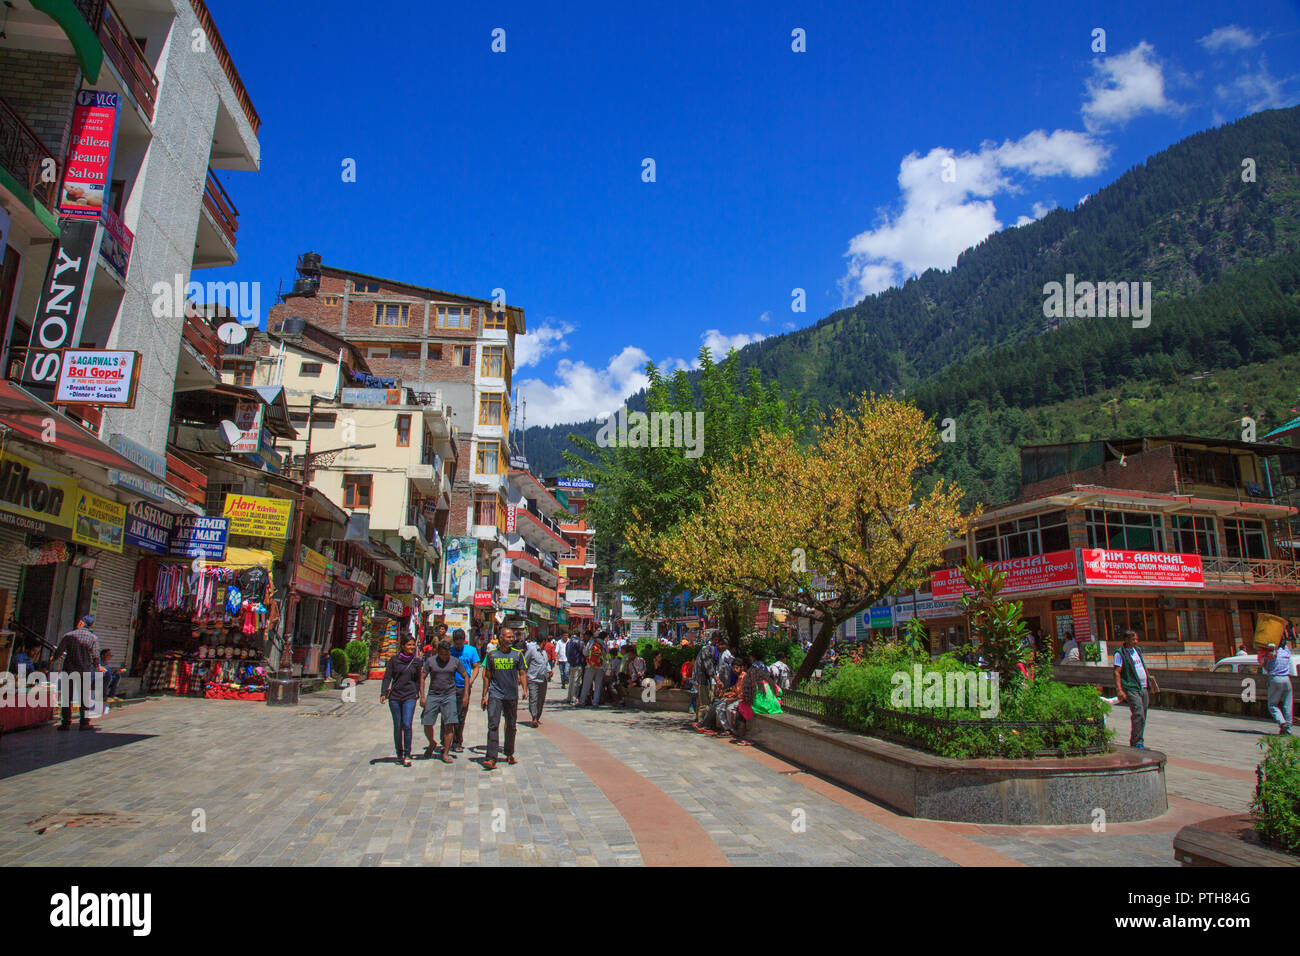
(62, 306)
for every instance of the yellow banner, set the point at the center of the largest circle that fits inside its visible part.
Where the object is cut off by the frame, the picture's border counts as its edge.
(37, 492)
(99, 522)
(258, 517)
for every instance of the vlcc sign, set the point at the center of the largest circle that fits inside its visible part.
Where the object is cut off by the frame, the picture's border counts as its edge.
(35, 498)
(61, 309)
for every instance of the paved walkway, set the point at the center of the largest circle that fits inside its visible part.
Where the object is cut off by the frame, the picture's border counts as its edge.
(196, 782)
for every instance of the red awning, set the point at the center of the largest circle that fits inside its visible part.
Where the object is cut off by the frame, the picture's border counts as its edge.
(26, 418)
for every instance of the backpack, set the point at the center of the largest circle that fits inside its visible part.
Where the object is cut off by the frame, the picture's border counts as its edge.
(596, 656)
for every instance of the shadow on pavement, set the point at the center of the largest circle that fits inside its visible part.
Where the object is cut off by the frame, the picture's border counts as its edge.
(23, 751)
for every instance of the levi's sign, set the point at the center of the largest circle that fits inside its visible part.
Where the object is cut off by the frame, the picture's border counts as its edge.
(1142, 568)
(1034, 573)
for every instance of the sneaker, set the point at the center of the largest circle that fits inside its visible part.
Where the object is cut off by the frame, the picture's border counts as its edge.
(1140, 746)
(489, 764)
(406, 761)
(511, 759)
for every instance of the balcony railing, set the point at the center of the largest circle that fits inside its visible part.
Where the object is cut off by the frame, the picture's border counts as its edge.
(227, 64)
(129, 59)
(22, 153)
(202, 336)
(1252, 571)
(217, 201)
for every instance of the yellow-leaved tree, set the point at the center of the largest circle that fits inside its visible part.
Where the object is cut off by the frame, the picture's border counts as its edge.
(829, 528)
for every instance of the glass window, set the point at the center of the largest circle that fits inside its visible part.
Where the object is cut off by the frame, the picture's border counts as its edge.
(1193, 534)
(392, 314)
(493, 319)
(455, 317)
(365, 286)
(434, 351)
(311, 369)
(489, 458)
(1245, 539)
(494, 361)
(485, 509)
(490, 409)
(462, 355)
(403, 431)
(1124, 530)
(356, 491)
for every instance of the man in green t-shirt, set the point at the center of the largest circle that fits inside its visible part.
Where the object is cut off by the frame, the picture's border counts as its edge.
(505, 683)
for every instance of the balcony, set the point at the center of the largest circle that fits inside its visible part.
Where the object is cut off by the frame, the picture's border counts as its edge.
(186, 479)
(1251, 572)
(227, 64)
(128, 59)
(202, 336)
(214, 244)
(22, 154)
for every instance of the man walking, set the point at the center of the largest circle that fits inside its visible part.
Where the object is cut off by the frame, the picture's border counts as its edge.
(593, 674)
(574, 654)
(1133, 687)
(78, 652)
(538, 663)
(1277, 665)
(562, 659)
(468, 656)
(502, 686)
(440, 698)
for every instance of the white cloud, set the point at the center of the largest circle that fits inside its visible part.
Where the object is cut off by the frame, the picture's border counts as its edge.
(719, 344)
(947, 204)
(1257, 91)
(540, 342)
(1230, 39)
(790, 326)
(1125, 85)
(1040, 210)
(765, 317)
(580, 392)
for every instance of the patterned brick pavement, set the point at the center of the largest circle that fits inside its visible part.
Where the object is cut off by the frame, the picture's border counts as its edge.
(317, 784)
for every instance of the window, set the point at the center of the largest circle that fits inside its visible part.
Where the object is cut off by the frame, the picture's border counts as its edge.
(331, 299)
(434, 351)
(455, 317)
(319, 420)
(310, 369)
(1195, 535)
(493, 363)
(462, 355)
(356, 491)
(1245, 539)
(489, 510)
(404, 351)
(365, 286)
(488, 461)
(403, 431)
(377, 351)
(1208, 467)
(491, 408)
(1038, 534)
(214, 502)
(244, 376)
(493, 319)
(1124, 530)
(392, 314)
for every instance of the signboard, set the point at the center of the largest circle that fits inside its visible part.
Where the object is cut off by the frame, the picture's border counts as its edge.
(99, 521)
(311, 574)
(88, 171)
(35, 498)
(199, 536)
(924, 608)
(455, 617)
(541, 610)
(460, 570)
(503, 578)
(98, 377)
(405, 583)
(148, 528)
(574, 483)
(878, 617)
(146, 459)
(433, 605)
(394, 606)
(258, 517)
(1079, 611)
(61, 309)
(1142, 568)
(372, 396)
(510, 518)
(1034, 573)
(115, 244)
(482, 598)
(248, 419)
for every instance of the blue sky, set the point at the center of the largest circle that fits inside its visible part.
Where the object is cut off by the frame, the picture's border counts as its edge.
(822, 170)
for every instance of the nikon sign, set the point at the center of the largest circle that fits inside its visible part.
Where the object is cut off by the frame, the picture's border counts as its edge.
(35, 498)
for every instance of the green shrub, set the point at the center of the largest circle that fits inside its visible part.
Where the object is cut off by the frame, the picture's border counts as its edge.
(1092, 652)
(358, 654)
(674, 654)
(1276, 804)
(339, 662)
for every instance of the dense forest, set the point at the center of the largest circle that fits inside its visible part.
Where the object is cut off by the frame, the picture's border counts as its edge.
(1220, 248)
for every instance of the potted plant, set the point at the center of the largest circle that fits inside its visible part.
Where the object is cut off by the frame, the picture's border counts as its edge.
(339, 665)
(358, 659)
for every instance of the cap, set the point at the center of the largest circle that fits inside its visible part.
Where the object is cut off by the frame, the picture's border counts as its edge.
(88, 620)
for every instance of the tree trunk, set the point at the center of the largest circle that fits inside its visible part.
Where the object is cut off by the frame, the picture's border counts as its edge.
(820, 642)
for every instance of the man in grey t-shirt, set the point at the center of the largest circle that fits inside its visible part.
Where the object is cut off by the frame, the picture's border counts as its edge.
(505, 682)
(539, 673)
(439, 698)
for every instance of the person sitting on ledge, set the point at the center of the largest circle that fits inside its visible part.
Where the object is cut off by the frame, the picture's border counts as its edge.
(718, 717)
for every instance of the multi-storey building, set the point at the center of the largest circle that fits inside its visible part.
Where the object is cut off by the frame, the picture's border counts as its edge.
(459, 348)
(112, 120)
(1181, 538)
(578, 564)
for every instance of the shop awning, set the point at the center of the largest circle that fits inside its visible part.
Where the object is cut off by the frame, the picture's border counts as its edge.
(26, 417)
(237, 557)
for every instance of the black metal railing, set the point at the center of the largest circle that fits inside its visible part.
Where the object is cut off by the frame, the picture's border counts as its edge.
(23, 154)
(983, 737)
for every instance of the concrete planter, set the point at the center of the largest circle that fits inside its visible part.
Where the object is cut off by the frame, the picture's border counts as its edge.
(675, 699)
(1227, 841)
(1127, 784)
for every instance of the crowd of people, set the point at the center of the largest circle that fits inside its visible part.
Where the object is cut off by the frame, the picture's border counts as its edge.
(731, 687)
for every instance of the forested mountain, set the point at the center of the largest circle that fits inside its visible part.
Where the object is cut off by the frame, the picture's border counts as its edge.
(1219, 250)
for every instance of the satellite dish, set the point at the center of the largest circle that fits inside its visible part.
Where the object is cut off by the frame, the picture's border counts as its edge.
(230, 432)
(232, 333)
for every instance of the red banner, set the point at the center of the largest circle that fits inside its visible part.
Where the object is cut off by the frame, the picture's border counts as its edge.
(1035, 573)
(1079, 611)
(482, 598)
(88, 172)
(404, 583)
(1142, 568)
(510, 518)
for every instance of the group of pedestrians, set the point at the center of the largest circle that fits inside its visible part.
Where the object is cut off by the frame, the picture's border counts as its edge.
(442, 681)
(731, 687)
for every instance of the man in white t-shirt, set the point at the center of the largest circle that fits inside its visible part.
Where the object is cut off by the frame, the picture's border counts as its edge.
(1133, 686)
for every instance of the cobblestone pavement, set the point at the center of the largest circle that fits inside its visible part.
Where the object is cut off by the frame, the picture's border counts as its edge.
(197, 782)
